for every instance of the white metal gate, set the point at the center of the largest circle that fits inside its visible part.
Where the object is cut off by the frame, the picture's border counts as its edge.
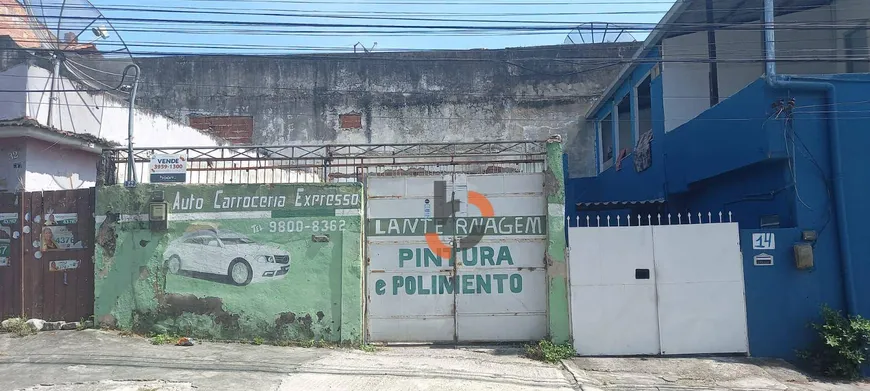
(493, 291)
(668, 289)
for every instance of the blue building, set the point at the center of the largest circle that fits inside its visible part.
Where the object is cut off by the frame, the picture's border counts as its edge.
(713, 115)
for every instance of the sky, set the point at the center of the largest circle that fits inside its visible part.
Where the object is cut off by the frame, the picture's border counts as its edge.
(207, 36)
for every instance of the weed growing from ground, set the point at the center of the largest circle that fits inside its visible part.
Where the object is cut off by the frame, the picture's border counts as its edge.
(550, 352)
(164, 339)
(842, 347)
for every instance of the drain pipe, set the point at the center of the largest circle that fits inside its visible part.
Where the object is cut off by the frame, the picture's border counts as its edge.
(830, 91)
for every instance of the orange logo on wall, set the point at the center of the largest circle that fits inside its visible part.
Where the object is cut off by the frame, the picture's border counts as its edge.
(474, 198)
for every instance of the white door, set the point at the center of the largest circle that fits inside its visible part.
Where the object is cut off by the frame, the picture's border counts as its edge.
(613, 292)
(702, 307)
(493, 290)
(675, 289)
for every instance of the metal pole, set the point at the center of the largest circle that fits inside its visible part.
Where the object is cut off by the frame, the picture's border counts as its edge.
(55, 73)
(131, 163)
(769, 47)
(711, 54)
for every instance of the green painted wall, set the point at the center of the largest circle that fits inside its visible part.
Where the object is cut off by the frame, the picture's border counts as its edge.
(557, 267)
(183, 281)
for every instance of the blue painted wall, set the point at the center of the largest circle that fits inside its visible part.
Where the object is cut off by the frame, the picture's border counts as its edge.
(739, 156)
(739, 131)
(767, 192)
(781, 300)
(626, 184)
(853, 109)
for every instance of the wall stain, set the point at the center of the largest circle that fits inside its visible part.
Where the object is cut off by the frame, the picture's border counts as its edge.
(106, 236)
(176, 304)
(289, 326)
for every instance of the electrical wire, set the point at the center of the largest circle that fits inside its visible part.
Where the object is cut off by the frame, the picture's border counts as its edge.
(674, 27)
(789, 124)
(676, 53)
(403, 15)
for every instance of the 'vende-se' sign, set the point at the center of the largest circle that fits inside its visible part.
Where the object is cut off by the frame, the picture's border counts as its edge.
(168, 168)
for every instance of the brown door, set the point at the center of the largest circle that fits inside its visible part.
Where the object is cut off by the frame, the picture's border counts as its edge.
(10, 255)
(57, 240)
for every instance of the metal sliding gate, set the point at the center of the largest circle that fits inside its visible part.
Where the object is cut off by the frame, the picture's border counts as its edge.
(478, 275)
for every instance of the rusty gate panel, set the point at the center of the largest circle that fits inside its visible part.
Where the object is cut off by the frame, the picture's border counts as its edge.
(10, 255)
(57, 241)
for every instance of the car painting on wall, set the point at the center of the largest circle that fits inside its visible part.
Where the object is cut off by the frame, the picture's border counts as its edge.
(233, 262)
(215, 252)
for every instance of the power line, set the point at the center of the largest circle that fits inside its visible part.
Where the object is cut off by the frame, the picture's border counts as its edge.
(806, 55)
(403, 15)
(824, 25)
(681, 50)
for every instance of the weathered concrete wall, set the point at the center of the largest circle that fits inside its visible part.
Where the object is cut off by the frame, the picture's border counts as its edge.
(10, 54)
(54, 167)
(444, 96)
(557, 268)
(13, 155)
(185, 281)
(102, 115)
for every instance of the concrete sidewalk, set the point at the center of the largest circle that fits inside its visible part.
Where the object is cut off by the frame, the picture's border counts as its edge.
(94, 360)
(716, 373)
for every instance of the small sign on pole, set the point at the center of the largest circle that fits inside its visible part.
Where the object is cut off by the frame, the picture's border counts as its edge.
(168, 168)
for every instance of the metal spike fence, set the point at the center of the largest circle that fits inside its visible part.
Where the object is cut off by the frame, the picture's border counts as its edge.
(333, 163)
(635, 220)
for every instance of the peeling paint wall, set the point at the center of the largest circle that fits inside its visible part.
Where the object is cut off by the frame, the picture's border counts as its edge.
(99, 114)
(557, 267)
(236, 262)
(13, 152)
(406, 97)
(53, 167)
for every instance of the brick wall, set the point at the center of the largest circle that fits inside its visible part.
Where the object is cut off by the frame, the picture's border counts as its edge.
(235, 129)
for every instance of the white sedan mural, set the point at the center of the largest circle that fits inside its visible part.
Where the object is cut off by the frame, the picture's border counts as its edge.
(226, 253)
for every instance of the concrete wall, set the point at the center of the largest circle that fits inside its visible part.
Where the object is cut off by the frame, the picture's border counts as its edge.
(687, 85)
(150, 281)
(10, 54)
(104, 116)
(13, 153)
(516, 94)
(849, 10)
(53, 167)
(685, 81)
(13, 81)
(781, 300)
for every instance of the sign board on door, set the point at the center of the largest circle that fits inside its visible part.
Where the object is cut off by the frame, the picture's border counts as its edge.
(167, 168)
(58, 266)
